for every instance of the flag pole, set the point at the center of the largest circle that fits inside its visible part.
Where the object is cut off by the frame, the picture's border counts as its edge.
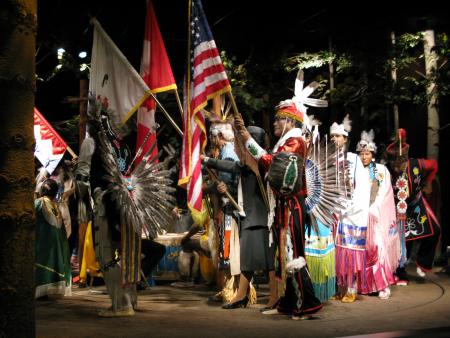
(258, 175)
(180, 106)
(188, 70)
(232, 200)
(71, 152)
(166, 114)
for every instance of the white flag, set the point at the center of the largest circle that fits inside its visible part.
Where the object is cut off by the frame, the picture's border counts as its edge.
(113, 79)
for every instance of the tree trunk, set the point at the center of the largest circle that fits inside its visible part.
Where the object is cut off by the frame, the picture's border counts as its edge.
(84, 89)
(433, 116)
(331, 64)
(364, 116)
(18, 24)
(394, 80)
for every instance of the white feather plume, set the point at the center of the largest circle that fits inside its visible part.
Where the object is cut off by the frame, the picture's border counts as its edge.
(299, 82)
(347, 123)
(307, 126)
(368, 136)
(301, 94)
(316, 102)
(308, 90)
(314, 121)
(301, 99)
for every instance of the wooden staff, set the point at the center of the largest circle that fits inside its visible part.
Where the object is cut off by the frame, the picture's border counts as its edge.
(166, 114)
(227, 193)
(248, 159)
(71, 152)
(180, 106)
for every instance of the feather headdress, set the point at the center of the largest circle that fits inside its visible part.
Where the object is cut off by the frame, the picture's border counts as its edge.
(295, 108)
(221, 121)
(399, 149)
(366, 142)
(342, 129)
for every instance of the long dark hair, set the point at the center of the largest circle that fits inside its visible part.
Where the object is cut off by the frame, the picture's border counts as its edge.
(49, 188)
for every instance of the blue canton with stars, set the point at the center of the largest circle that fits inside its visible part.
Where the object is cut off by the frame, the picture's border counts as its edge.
(200, 31)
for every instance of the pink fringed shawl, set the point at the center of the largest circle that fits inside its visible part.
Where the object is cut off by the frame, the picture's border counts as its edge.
(383, 249)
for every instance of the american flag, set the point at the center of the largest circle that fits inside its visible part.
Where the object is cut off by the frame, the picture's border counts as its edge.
(206, 79)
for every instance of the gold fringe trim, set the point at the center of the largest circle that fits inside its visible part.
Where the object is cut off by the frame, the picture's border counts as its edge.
(252, 297)
(322, 268)
(229, 290)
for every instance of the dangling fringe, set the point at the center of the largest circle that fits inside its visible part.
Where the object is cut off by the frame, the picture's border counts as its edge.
(377, 277)
(401, 231)
(325, 290)
(378, 273)
(130, 255)
(252, 297)
(323, 274)
(281, 287)
(229, 290)
(394, 249)
(350, 242)
(349, 265)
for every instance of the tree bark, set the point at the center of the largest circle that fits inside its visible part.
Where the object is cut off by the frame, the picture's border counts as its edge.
(84, 89)
(331, 64)
(394, 81)
(18, 24)
(433, 115)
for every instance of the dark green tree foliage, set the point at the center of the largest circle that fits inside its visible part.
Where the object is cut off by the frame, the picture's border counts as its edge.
(257, 86)
(363, 85)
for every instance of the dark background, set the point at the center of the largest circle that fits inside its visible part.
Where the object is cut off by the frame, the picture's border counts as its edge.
(263, 33)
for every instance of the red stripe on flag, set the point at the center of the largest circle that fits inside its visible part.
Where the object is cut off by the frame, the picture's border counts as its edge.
(210, 71)
(208, 93)
(48, 133)
(204, 55)
(207, 81)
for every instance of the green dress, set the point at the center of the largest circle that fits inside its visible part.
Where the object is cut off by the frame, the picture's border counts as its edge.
(53, 273)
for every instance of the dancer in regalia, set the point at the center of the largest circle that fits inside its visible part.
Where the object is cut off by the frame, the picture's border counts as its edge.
(125, 207)
(287, 211)
(53, 272)
(412, 179)
(350, 233)
(382, 243)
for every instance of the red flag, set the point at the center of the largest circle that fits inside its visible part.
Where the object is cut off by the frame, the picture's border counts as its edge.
(206, 79)
(157, 74)
(50, 147)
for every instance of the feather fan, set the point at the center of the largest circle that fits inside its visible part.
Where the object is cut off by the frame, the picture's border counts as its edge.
(328, 186)
(145, 199)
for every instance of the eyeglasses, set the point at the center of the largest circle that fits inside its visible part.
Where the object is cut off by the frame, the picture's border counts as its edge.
(279, 118)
